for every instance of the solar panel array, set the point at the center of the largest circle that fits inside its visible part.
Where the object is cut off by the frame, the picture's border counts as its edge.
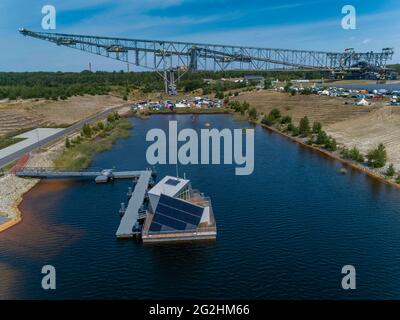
(172, 182)
(174, 214)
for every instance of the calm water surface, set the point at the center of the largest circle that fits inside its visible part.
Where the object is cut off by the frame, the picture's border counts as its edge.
(283, 232)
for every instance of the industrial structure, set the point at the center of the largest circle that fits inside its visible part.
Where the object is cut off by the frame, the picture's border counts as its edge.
(172, 59)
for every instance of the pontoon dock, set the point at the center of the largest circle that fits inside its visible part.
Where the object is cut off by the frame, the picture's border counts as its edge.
(131, 216)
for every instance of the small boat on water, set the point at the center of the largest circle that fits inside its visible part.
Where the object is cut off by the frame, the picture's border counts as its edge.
(207, 124)
(343, 170)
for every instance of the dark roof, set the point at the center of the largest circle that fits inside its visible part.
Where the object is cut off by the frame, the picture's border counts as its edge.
(174, 214)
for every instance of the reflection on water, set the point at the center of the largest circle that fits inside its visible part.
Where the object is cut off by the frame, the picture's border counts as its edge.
(37, 236)
(8, 277)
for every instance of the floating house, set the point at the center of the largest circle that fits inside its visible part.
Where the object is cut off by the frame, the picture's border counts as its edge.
(176, 212)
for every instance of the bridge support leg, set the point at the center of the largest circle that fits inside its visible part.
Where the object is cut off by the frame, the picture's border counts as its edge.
(169, 82)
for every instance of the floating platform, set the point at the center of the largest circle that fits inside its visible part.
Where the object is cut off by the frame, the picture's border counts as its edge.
(178, 213)
(129, 225)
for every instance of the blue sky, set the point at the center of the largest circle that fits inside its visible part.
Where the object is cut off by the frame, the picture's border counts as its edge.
(292, 24)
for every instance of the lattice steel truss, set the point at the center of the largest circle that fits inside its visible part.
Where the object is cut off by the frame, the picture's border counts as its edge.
(171, 57)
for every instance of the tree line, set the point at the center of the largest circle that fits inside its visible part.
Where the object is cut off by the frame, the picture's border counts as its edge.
(61, 85)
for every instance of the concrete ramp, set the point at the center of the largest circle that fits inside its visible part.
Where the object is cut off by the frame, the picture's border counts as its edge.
(131, 216)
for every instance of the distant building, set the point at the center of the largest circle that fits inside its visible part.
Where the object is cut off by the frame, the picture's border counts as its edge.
(251, 78)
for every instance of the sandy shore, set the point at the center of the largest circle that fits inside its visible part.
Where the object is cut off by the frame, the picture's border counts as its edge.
(12, 188)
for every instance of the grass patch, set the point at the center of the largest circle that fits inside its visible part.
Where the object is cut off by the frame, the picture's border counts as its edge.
(7, 168)
(7, 141)
(80, 156)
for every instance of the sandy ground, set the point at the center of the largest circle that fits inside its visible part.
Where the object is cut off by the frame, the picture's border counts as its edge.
(367, 131)
(24, 114)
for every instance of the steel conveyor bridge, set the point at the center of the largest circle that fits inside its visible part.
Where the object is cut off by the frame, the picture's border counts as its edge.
(172, 59)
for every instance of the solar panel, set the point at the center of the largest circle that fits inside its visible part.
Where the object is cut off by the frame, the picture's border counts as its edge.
(179, 215)
(181, 205)
(175, 215)
(172, 182)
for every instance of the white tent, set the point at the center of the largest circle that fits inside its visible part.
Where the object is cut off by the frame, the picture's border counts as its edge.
(363, 102)
(180, 105)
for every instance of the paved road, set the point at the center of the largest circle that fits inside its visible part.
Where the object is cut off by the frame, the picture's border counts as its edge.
(75, 127)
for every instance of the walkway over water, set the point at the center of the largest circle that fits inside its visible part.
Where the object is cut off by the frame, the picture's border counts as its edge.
(131, 216)
(95, 173)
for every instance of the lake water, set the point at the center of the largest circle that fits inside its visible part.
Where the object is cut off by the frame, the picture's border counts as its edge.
(284, 232)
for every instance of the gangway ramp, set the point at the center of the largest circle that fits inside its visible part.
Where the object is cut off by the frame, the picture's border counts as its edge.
(94, 173)
(131, 216)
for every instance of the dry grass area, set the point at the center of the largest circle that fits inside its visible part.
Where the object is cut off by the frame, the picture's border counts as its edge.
(366, 132)
(361, 126)
(326, 110)
(25, 114)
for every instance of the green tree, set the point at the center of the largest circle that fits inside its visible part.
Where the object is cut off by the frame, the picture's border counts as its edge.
(377, 157)
(86, 130)
(304, 126)
(322, 138)
(331, 144)
(67, 143)
(317, 127)
(356, 155)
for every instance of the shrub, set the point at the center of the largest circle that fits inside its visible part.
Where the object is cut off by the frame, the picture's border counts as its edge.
(322, 138)
(304, 126)
(253, 114)
(377, 157)
(288, 87)
(295, 131)
(356, 155)
(267, 120)
(390, 171)
(110, 118)
(275, 113)
(306, 91)
(286, 120)
(331, 145)
(86, 130)
(100, 126)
